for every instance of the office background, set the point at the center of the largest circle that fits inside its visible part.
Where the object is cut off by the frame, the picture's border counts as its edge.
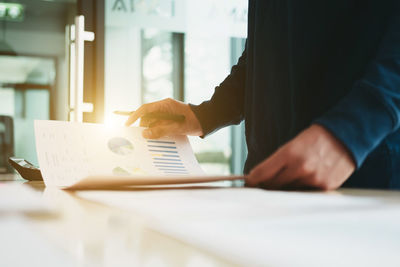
(143, 51)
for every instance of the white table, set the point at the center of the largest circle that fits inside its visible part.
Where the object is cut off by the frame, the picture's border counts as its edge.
(92, 234)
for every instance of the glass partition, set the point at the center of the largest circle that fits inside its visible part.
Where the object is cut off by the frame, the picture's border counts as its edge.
(157, 65)
(33, 66)
(207, 62)
(26, 84)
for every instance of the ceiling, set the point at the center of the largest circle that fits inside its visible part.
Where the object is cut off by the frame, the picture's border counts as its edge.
(44, 12)
(52, 8)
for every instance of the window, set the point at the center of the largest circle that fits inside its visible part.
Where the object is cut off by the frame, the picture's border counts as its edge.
(207, 63)
(157, 65)
(25, 93)
(185, 54)
(162, 65)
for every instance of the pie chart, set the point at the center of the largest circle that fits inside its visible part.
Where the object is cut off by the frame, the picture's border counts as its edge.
(120, 146)
(120, 171)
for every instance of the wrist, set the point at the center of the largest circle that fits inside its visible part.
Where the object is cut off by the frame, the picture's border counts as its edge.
(335, 143)
(194, 123)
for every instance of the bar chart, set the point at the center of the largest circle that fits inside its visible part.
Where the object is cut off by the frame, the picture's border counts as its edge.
(166, 157)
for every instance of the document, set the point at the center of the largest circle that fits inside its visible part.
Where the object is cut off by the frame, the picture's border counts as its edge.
(84, 155)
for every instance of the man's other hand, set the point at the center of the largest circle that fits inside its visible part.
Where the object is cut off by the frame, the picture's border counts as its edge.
(160, 128)
(313, 159)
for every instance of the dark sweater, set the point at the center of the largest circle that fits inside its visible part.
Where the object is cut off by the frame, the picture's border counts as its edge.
(332, 62)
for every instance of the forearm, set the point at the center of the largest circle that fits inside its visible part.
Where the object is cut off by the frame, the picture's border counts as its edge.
(371, 111)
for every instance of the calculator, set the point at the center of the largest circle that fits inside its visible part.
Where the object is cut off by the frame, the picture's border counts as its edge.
(26, 169)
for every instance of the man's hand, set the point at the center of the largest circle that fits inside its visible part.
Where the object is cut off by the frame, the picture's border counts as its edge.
(313, 159)
(160, 128)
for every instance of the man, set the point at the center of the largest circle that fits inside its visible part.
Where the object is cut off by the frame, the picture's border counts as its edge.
(318, 86)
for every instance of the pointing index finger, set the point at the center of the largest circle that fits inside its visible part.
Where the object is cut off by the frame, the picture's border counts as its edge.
(267, 169)
(136, 115)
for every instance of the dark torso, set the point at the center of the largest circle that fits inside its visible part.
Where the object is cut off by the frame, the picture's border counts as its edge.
(302, 58)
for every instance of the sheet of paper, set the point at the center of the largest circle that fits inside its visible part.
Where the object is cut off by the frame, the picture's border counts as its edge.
(256, 227)
(69, 152)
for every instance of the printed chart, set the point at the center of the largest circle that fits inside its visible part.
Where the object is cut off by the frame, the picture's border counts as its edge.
(71, 152)
(166, 157)
(120, 146)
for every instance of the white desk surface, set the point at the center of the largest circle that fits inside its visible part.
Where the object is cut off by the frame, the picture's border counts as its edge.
(92, 234)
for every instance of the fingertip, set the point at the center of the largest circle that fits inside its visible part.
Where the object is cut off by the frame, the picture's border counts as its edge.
(130, 120)
(252, 182)
(151, 133)
(248, 182)
(147, 133)
(249, 178)
(128, 123)
(253, 173)
(135, 115)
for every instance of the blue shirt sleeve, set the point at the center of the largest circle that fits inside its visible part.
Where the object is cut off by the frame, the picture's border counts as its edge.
(371, 111)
